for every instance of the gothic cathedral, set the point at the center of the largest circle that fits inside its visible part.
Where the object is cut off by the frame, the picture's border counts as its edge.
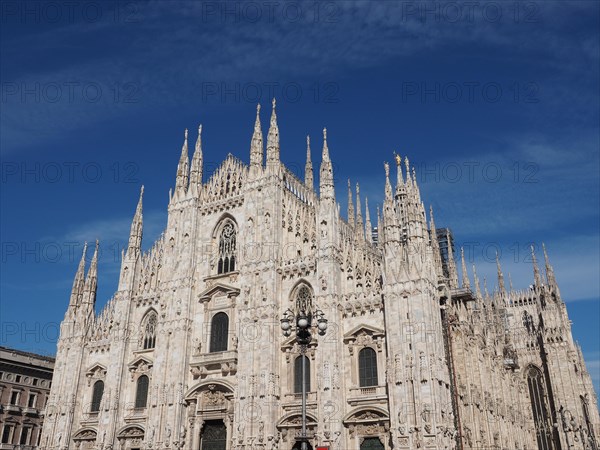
(189, 354)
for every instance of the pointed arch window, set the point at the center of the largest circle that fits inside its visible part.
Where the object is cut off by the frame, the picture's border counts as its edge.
(219, 332)
(298, 374)
(227, 248)
(588, 423)
(97, 394)
(149, 330)
(535, 382)
(367, 367)
(141, 392)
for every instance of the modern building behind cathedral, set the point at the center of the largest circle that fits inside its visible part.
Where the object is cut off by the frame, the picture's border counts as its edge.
(189, 354)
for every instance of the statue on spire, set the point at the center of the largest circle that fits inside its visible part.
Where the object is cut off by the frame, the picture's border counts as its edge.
(273, 138)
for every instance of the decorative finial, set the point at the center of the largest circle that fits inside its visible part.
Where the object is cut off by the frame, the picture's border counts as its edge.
(257, 108)
(142, 190)
(199, 129)
(386, 166)
(186, 133)
(357, 189)
(398, 159)
(274, 102)
(325, 134)
(308, 141)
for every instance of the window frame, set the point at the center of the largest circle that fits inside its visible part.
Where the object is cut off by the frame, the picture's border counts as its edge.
(297, 387)
(539, 407)
(29, 402)
(219, 343)
(149, 336)
(96, 403)
(9, 438)
(29, 431)
(227, 247)
(363, 377)
(14, 392)
(138, 402)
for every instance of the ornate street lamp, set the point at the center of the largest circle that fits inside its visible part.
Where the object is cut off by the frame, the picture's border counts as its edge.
(302, 322)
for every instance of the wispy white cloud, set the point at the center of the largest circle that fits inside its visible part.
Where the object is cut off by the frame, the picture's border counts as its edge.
(359, 34)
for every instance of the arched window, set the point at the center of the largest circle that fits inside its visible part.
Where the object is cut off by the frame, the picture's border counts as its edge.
(219, 332)
(304, 298)
(149, 330)
(97, 395)
(535, 383)
(227, 246)
(588, 423)
(141, 393)
(298, 374)
(367, 367)
(371, 443)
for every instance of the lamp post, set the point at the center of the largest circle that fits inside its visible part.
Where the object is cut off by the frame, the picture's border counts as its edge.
(302, 323)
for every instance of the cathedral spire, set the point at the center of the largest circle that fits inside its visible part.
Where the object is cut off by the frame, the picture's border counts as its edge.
(91, 280)
(476, 281)
(435, 245)
(196, 167)
(501, 286)
(390, 221)
(78, 282)
(359, 219)
(351, 215)
(135, 235)
(273, 138)
(485, 289)
(368, 227)
(181, 183)
(549, 269)
(466, 283)
(452, 272)
(399, 178)
(388, 185)
(380, 237)
(256, 145)
(326, 188)
(536, 271)
(308, 168)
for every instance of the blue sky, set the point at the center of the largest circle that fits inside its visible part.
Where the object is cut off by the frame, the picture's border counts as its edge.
(496, 104)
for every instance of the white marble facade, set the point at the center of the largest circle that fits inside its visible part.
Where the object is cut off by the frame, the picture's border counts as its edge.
(188, 353)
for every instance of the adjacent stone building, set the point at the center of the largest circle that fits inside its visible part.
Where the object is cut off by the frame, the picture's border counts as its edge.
(189, 354)
(25, 380)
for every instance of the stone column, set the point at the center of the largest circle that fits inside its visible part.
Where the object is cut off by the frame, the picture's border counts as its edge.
(228, 428)
(197, 430)
(191, 433)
